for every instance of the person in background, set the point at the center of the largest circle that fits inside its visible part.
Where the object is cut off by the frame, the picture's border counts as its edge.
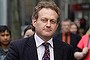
(66, 36)
(74, 28)
(5, 38)
(29, 31)
(42, 45)
(77, 22)
(83, 47)
(65, 25)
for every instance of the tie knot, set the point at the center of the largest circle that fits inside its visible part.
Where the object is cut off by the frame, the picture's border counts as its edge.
(46, 44)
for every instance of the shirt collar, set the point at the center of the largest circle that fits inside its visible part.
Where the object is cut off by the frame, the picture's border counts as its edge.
(39, 41)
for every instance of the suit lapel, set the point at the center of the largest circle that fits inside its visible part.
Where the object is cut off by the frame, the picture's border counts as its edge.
(32, 49)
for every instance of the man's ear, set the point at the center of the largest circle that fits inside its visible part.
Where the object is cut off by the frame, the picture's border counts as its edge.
(34, 22)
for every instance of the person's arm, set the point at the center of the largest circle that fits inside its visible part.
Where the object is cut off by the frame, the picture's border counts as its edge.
(81, 54)
(12, 52)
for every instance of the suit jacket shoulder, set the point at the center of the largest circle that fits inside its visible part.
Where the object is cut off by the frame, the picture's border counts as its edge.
(62, 51)
(22, 49)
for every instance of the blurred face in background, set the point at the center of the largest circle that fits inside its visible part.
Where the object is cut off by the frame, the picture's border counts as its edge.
(77, 21)
(65, 26)
(73, 28)
(28, 33)
(5, 38)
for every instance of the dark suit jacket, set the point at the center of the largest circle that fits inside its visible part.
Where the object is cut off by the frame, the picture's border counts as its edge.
(25, 49)
(74, 39)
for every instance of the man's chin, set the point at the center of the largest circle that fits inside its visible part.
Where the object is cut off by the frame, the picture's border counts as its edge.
(5, 44)
(48, 35)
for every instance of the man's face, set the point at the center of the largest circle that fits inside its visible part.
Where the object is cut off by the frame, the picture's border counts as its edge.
(46, 24)
(65, 26)
(4, 38)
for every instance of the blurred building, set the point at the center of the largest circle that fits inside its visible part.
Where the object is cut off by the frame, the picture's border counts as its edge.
(3, 12)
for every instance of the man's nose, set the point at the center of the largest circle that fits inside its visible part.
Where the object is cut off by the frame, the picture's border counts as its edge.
(48, 24)
(5, 37)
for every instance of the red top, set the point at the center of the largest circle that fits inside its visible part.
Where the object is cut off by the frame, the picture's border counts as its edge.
(83, 43)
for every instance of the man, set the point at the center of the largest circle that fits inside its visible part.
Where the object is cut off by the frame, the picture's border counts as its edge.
(5, 38)
(45, 20)
(66, 36)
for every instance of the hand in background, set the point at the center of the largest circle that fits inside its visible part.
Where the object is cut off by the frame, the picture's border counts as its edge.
(85, 50)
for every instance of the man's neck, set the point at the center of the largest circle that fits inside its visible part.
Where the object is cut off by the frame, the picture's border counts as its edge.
(4, 46)
(44, 38)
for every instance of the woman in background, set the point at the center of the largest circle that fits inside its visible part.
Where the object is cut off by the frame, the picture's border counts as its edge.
(74, 28)
(83, 50)
(29, 31)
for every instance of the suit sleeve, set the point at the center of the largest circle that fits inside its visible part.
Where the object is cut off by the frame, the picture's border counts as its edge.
(70, 52)
(12, 52)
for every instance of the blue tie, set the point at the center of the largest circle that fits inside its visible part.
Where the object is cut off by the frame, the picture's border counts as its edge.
(46, 55)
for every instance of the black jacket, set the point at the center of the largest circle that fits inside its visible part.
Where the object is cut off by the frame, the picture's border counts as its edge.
(25, 49)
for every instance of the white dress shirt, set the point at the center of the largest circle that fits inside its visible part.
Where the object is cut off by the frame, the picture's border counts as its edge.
(41, 48)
